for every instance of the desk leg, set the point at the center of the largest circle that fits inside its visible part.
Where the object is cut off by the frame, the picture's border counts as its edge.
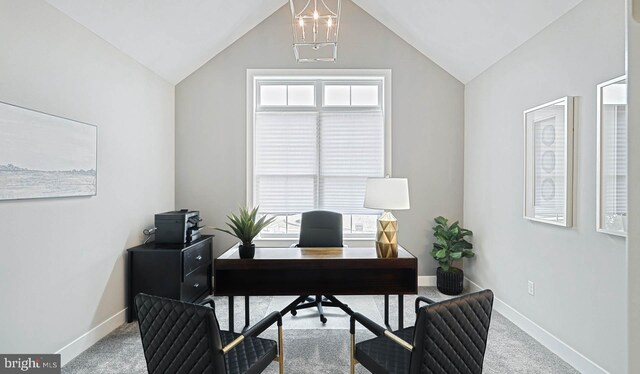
(231, 313)
(400, 312)
(246, 313)
(386, 311)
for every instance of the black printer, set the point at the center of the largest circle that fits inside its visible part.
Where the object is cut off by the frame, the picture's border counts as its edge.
(177, 227)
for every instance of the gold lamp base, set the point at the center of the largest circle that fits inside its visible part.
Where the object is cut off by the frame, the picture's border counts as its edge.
(387, 236)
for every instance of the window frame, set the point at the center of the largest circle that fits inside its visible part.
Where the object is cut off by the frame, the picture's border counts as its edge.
(350, 83)
(284, 76)
(287, 107)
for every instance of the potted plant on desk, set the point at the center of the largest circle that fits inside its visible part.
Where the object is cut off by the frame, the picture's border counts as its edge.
(450, 246)
(245, 227)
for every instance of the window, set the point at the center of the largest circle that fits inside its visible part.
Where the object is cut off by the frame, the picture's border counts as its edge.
(612, 148)
(313, 142)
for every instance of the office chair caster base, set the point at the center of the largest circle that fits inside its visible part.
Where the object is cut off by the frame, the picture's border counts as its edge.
(323, 320)
(293, 312)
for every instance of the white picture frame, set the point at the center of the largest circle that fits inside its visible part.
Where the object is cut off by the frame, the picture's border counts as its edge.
(611, 183)
(548, 162)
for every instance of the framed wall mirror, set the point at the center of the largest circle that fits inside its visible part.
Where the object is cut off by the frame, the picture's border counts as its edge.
(548, 143)
(612, 157)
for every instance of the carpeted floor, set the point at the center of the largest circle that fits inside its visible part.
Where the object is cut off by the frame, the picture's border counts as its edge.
(311, 347)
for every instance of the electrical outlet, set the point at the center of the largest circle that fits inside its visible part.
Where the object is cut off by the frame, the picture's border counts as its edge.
(531, 288)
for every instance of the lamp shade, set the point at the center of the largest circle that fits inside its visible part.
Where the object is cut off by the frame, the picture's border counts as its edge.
(387, 193)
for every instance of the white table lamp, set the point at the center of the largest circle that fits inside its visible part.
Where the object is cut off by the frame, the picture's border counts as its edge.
(388, 194)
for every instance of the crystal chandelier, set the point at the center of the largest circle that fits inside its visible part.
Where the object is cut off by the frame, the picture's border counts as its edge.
(315, 29)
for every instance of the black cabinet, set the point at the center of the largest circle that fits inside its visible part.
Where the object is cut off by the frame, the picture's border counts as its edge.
(176, 271)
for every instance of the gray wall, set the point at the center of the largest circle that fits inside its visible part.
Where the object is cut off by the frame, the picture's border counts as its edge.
(62, 270)
(579, 273)
(633, 240)
(427, 123)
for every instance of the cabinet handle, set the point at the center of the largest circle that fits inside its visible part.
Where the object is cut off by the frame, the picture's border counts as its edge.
(199, 258)
(196, 285)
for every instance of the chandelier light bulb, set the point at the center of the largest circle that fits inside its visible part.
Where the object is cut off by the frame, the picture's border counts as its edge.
(301, 22)
(315, 15)
(330, 22)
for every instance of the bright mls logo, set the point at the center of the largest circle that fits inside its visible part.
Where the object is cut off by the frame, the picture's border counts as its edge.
(29, 363)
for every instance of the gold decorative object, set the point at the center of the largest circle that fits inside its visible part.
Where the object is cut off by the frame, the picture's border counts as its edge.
(387, 236)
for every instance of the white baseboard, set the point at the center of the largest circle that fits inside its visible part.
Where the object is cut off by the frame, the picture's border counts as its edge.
(544, 337)
(431, 281)
(91, 337)
(427, 281)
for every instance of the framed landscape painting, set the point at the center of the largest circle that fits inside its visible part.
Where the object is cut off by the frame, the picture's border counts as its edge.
(44, 156)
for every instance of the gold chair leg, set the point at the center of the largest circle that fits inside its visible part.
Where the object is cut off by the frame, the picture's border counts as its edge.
(353, 356)
(280, 350)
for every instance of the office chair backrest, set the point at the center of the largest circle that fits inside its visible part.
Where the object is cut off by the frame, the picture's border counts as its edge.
(451, 336)
(179, 337)
(320, 228)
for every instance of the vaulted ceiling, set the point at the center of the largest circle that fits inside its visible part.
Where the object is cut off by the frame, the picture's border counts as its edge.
(173, 38)
(465, 37)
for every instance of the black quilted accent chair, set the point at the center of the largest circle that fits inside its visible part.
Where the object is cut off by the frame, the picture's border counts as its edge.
(319, 228)
(448, 337)
(184, 338)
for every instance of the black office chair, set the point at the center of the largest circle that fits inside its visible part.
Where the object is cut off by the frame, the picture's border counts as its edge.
(448, 337)
(319, 228)
(179, 337)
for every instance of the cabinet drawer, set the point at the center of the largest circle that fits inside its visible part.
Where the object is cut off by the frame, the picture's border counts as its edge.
(195, 284)
(195, 257)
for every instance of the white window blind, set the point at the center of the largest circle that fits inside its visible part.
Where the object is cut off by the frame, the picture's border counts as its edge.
(286, 161)
(317, 157)
(351, 150)
(614, 159)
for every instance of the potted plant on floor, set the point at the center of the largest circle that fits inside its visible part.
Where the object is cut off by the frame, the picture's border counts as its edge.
(450, 245)
(245, 227)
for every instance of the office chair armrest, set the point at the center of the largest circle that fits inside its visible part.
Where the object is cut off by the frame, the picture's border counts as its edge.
(208, 300)
(366, 322)
(255, 330)
(378, 330)
(398, 340)
(424, 300)
(263, 324)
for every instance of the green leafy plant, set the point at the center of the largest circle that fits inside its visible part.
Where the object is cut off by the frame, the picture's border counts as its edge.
(245, 226)
(450, 244)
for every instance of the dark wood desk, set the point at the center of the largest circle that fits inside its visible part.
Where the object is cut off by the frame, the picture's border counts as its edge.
(313, 271)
